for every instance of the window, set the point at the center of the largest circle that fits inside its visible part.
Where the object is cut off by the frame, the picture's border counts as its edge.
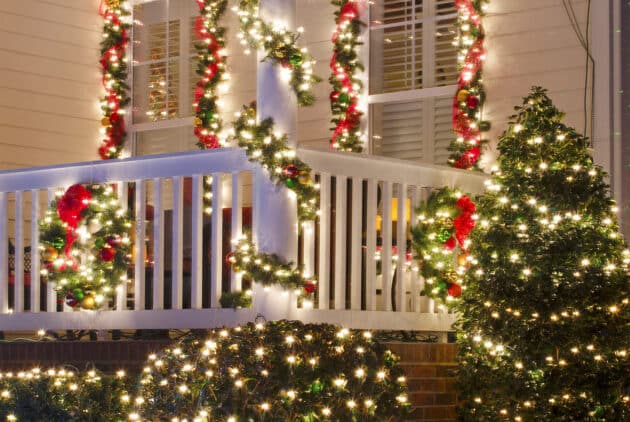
(164, 62)
(413, 73)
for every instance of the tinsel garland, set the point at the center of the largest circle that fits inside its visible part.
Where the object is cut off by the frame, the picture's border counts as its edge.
(117, 21)
(273, 153)
(470, 96)
(281, 48)
(440, 240)
(345, 63)
(211, 70)
(85, 245)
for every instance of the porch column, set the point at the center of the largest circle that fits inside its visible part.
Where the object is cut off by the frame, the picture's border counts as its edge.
(274, 215)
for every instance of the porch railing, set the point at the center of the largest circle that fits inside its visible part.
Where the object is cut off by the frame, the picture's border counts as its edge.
(179, 272)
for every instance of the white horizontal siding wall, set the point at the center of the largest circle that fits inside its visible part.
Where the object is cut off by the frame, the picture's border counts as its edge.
(532, 43)
(49, 81)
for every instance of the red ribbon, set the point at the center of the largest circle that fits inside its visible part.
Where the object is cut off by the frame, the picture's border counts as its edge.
(466, 127)
(464, 223)
(69, 208)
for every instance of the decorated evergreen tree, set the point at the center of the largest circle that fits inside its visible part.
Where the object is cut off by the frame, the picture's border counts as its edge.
(544, 320)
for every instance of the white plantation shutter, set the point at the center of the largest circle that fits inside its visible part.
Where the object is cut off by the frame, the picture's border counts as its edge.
(164, 65)
(411, 49)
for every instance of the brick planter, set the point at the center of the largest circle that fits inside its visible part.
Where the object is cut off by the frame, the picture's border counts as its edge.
(429, 367)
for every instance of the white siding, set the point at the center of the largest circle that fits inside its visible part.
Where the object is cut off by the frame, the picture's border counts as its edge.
(532, 43)
(49, 81)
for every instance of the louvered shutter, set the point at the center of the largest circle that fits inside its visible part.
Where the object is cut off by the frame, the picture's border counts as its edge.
(411, 43)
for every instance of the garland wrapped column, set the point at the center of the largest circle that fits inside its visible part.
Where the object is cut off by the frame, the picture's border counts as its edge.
(345, 64)
(470, 95)
(116, 16)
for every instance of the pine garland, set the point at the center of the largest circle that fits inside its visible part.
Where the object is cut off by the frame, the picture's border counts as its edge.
(272, 153)
(470, 97)
(345, 64)
(117, 22)
(281, 48)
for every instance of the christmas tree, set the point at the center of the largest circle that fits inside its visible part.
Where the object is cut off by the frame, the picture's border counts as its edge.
(544, 319)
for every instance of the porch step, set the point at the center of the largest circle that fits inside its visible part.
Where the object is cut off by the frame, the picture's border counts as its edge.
(429, 367)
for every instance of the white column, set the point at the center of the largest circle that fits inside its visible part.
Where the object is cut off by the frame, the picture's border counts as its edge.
(275, 216)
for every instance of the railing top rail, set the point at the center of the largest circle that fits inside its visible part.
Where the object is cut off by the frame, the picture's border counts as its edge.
(391, 169)
(188, 163)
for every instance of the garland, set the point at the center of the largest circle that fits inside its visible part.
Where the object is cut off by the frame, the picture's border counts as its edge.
(277, 371)
(267, 269)
(85, 245)
(272, 153)
(116, 15)
(470, 96)
(211, 69)
(345, 64)
(445, 221)
(281, 48)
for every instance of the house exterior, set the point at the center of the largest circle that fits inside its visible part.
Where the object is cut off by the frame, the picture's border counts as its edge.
(49, 90)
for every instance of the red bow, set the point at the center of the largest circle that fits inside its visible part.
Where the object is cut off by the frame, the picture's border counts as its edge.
(69, 208)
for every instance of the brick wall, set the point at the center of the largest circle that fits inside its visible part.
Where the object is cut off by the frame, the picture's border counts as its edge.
(429, 367)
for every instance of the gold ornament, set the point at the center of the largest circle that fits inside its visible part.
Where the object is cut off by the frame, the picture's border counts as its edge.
(49, 254)
(304, 178)
(198, 122)
(88, 302)
(462, 95)
(462, 260)
(113, 3)
(105, 121)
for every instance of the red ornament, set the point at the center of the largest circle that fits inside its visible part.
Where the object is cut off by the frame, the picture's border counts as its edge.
(472, 102)
(229, 258)
(290, 171)
(114, 241)
(310, 287)
(454, 290)
(450, 244)
(71, 301)
(349, 11)
(108, 254)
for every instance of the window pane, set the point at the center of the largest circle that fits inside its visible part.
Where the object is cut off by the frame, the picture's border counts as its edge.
(397, 130)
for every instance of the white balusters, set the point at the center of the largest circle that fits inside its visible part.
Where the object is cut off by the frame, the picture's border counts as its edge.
(401, 247)
(121, 290)
(158, 245)
(4, 254)
(340, 241)
(140, 258)
(35, 261)
(324, 242)
(196, 271)
(177, 244)
(216, 243)
(355, 243)
(18, 279)
(370, 247)
(415, 276)
(237, 223)
(386, 249)
(51, 294)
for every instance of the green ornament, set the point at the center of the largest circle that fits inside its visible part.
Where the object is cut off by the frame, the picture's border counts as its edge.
(444, 234)
(58, 243)
(291, 183)
(442, 285)
(78, 294)
(317, 387)
(296, 59)
(344, 98)
(209, 116)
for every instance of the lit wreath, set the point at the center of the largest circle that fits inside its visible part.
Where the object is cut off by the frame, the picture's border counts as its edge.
(85, 245)
(281, 48)
(440, 240)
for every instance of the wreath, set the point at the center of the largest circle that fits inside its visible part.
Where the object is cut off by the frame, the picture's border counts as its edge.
(85, 245)
(470, 96)
(281, 48)
(116, 16)
(345, 63)
(440, 240)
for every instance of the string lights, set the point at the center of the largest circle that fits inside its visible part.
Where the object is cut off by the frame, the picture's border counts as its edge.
(470, 96)
(85, 245)
(114, 63)
(282, 370)
(544, 319)
(345, 65)
(281, 48)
